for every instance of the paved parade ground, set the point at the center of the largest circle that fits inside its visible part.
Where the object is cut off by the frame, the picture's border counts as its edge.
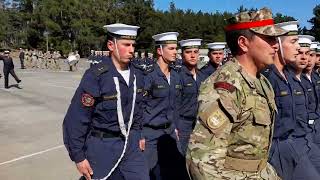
(31, 145)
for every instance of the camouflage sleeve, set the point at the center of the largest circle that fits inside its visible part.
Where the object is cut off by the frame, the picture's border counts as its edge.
(218, 107)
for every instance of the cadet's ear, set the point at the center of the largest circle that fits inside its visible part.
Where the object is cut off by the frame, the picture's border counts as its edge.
(243, 43)
(110, 45)
(159, 51)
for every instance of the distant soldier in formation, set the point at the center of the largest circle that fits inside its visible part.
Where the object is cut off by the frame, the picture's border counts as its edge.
(42, 61)
(22, 57)
(34, 59)
(56, 60)
(48, 59)
(28, 58)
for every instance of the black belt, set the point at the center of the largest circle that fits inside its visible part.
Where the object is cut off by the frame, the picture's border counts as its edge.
(105, 133)
(161, 126)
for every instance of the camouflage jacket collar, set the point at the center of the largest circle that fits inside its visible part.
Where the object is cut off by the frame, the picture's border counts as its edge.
(248, 78)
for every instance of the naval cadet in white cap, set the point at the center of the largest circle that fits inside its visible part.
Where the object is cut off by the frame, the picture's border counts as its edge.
(102, 127)
(162, 97)
(216, 54)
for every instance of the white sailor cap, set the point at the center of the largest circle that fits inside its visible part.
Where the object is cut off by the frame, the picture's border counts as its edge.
(6, 51)
(166, 38)
(313, 46)
(190, 43)
(122, 31)
(305, 40)
(290, 26)
(217, 46)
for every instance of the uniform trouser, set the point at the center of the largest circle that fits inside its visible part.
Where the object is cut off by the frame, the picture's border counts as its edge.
(163, 154)
(295, 158)
(103, 153)
(22, 63)
(6, 73)
(185, 129)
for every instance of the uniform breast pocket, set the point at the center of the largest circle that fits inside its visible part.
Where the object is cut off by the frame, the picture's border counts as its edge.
(298, 97)
(282, 98)
(178, 89)
(160, 91)
(139, 95)
(189, 89)
(261, 113)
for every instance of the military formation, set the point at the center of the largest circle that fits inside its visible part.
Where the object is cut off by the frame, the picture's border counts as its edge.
(38, 59)
(250, 115)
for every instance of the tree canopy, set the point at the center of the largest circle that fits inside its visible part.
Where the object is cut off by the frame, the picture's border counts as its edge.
(75, 24)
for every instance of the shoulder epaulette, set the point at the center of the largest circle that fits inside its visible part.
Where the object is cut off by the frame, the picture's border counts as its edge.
(266, 72)
(100, 68)
(205, 66)
(148, 68)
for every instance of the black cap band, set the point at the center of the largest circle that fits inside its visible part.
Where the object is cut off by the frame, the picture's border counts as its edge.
(118, 36)
(190, 47)
(166, 42)
(304, 45)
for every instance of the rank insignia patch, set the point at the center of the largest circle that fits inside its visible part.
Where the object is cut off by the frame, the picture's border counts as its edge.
(224, 85)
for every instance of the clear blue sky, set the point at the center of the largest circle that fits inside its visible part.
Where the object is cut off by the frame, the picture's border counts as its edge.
(302, 10)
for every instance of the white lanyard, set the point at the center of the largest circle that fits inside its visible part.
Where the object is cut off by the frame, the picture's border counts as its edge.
(121, 120)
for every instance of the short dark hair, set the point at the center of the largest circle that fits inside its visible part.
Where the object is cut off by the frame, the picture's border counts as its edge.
(158, 45)
(232, 39)
(110, 38)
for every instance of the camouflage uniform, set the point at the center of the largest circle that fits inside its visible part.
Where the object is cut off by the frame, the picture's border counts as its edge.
(28, 59)
(262, 14)
(232, 137)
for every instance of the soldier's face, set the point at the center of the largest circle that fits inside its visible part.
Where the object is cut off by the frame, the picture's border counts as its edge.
(290, 48)
(191, 56)
(123, 50)
(302, 58)
(311, 61)
(262, 50)
(169, 52)
(216, 56)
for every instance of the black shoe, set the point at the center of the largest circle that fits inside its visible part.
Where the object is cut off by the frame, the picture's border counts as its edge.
(19, 81)
(6, 87)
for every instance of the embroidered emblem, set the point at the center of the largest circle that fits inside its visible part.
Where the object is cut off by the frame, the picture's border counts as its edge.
(87, 100)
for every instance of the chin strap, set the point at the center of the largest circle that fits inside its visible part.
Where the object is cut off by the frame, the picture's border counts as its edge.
(281, 51)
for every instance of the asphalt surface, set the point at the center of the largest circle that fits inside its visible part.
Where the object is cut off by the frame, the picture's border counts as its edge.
(31, 116)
